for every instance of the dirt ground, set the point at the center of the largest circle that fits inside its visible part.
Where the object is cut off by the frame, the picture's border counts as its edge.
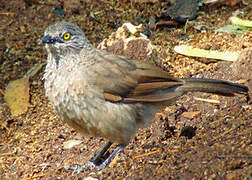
(216, 143)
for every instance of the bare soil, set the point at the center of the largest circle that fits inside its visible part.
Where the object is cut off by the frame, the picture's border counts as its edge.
(31, 145)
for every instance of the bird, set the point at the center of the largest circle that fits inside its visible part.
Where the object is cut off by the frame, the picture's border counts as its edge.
(101, 94)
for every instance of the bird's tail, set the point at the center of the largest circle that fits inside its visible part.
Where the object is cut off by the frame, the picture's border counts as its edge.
(212, 86)
(172, 90)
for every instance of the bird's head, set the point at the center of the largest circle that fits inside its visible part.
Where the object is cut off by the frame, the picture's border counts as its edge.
(63, 37)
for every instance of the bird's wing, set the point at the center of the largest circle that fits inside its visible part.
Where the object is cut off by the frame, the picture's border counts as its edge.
(124, 80)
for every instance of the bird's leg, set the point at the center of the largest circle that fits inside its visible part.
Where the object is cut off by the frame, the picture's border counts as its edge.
(107, 161)
(96, 159)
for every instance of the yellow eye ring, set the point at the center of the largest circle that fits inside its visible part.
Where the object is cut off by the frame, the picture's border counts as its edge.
(66, 36)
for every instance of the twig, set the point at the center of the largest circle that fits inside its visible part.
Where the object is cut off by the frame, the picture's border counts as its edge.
(207, 100)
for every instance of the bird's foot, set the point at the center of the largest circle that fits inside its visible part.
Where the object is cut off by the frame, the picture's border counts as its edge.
(95, 162)
(107, 161)
(76, 168)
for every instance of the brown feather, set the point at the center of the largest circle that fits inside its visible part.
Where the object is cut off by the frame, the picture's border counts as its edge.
(153, 98)
(112, 97)
(146, 88)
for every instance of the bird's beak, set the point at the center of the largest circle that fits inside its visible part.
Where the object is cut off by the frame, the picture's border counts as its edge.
(48, 40)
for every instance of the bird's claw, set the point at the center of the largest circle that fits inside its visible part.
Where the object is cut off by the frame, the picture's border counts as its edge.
(77, 169)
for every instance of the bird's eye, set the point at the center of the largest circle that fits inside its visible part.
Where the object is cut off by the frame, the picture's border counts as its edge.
(66, 36)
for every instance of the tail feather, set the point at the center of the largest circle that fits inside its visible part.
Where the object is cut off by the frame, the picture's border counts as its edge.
(169, 94)
(212, 86)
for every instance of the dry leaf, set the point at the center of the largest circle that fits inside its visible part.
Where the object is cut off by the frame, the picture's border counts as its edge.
(71, 143)
(212, 54)
(17, 92)
(17, 96)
